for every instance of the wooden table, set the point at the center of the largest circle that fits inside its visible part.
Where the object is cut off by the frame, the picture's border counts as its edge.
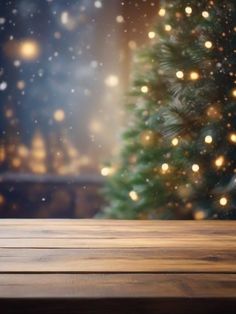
(97, 266)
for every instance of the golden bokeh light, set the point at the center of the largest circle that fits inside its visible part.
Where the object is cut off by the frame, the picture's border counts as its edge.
(232, 137)
(208, 44)
(179, 74)
(164, 167)
(133, 195)
(208, 139)
(194, 76)
(219, 161)
(223, 201)
(144, 89)
(29, 50)
(175, 141)
(151, 35)
(168, 28)
(59, 115)
(205, 14)
(195, 167)
(162, 12)
(188, 10)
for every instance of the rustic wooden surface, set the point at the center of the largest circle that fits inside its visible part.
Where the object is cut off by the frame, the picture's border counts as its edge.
(97, 266)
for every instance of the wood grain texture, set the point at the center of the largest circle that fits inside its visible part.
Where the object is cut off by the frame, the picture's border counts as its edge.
(98, 266)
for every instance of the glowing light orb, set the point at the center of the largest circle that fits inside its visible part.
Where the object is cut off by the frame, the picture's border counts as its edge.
(164, 167)
(208, 44)
(194, 76)
(219, 161)
(119, 19)
(175, 141)
(98, 4)
(195, 167)
(29, 50)
(106, 171)
(144, 89)
(112, 81)
(168, 28)
(162, 12)
(133, 195)
(179, 74)
(223, 201)
(232, 137)
(151, 35)
(59, 115)
(234, 92)
(205, 14)
(208, 139)
(188, 10)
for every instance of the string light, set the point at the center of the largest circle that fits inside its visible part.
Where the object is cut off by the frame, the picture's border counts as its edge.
(179, 74)
(133, 195)
(223, 201)
(232, 137)
(195, 167)
(175, 141)
(162, 12)
(164, 167)
(106, 171)
(194, 76)
(208, 139)
(219, 161)
(234, 92)
(168, 28)
(144, 89)
(205, 14)
(188, 10)
(208, 44)
(151, 35)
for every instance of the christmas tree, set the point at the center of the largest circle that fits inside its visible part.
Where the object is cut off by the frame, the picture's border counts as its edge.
(178, 154)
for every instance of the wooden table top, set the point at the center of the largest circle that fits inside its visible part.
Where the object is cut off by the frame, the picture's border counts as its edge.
(131, 260)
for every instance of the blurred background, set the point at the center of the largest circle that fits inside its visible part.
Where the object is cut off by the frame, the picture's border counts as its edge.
(64, 71)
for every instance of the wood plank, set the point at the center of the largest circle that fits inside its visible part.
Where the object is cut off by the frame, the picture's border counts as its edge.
(119, 243)
(117, 286)
(172, 259)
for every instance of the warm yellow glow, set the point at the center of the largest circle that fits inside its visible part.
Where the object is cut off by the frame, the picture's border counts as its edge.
(195, 167)
(2, 154)
(2, 199)
(164, 167)
(106, 171)
(234, 92)
(168, 28)
(59, 115)
(219, 161)
(144, 89)
(188, 10)
(223, 201)
(162, 12)
(232, 137)
(133, 195)
(23, 151)
(29, 50)
(175, 141)
(194, 76)
(151, 35)
(208, 139)
(16, 162)
(199, 215)
(205, 14)
(208, 44)
(180, 74)
(112, 80)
